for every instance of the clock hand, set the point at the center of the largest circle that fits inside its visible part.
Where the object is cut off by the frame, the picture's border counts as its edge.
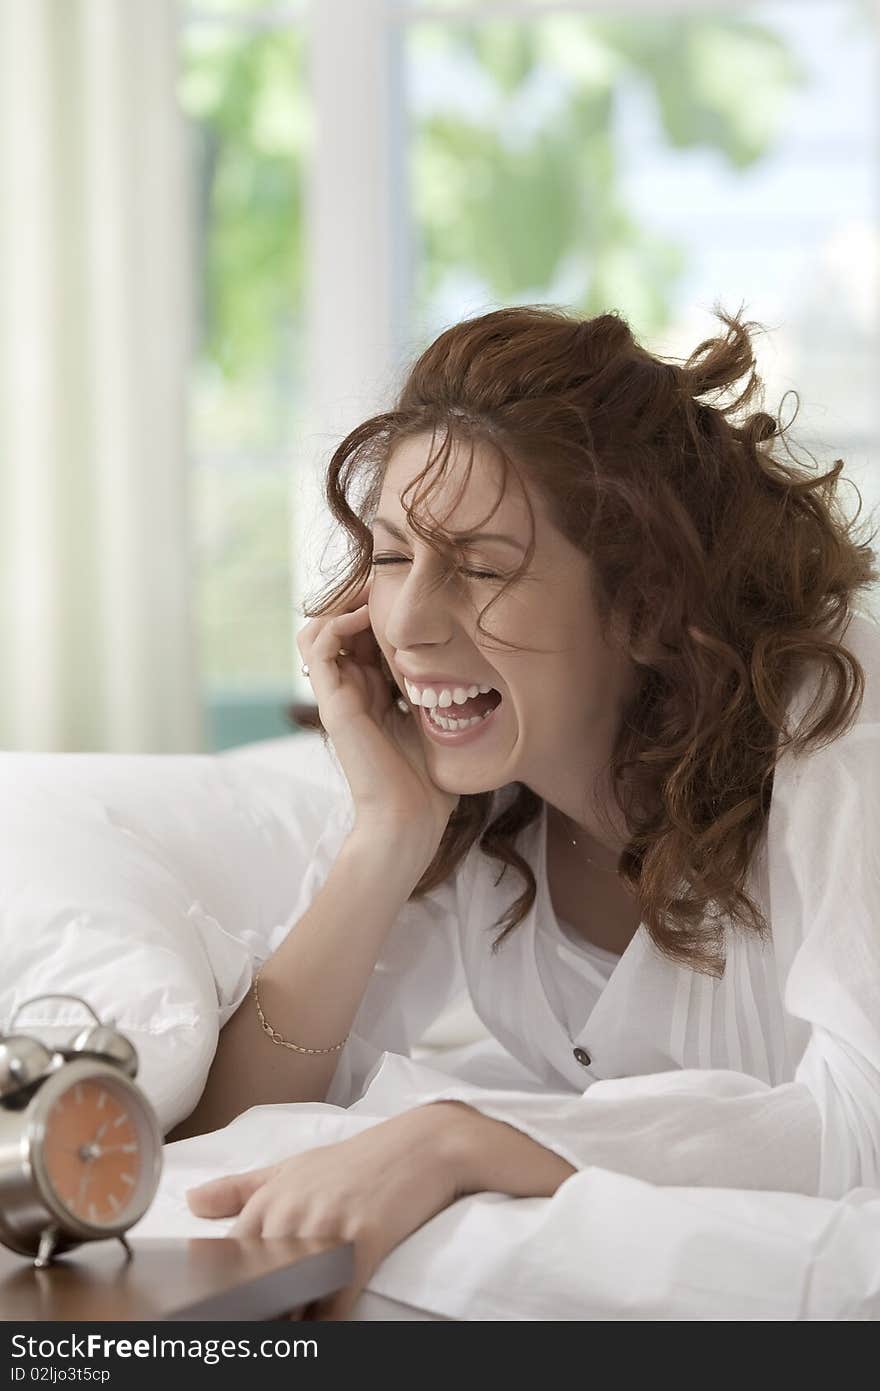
(87, 1173)
(91, 1149)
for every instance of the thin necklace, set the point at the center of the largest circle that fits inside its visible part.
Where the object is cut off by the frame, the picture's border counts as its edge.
(607, 869)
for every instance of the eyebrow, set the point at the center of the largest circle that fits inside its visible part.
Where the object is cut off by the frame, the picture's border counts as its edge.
(465, 536)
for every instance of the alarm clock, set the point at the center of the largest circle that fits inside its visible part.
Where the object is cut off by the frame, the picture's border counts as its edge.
(80, 1144)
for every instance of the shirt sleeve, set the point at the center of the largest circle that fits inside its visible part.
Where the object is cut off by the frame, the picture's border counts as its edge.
(417, 973)
(818, 1134)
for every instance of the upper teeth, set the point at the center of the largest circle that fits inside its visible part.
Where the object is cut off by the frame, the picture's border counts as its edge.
(455, 695)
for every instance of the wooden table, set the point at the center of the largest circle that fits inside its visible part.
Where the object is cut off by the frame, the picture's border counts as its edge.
(176, 1278)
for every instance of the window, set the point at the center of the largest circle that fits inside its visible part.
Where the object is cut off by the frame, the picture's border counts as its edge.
(242, 89)
(654, 161)
(650, 157)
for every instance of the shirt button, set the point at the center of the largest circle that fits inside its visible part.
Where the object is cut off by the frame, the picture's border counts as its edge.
(583, 1057)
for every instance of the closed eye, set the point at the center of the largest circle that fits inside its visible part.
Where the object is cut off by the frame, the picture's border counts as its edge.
(401, 560)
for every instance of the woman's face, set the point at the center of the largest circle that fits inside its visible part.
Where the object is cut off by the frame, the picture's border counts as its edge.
(560, 703)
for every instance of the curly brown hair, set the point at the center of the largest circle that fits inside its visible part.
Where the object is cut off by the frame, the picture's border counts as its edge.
(729, 568)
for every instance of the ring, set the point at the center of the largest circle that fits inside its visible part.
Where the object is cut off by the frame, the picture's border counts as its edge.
(304, 669)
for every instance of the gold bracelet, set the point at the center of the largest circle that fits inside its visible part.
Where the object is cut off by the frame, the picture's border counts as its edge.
(276, 1037)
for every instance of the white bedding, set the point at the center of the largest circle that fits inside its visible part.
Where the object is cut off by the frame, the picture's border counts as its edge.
(149, 884)
(605, 1246)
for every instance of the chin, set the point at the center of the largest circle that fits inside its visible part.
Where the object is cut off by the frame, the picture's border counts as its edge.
(464, 786)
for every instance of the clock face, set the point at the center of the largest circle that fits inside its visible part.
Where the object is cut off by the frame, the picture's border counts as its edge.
(93, 1150)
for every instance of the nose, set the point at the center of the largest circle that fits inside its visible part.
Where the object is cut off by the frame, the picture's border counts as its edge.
(420, 612)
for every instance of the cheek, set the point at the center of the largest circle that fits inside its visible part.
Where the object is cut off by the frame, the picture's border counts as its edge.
(549, 704)
(377, 611)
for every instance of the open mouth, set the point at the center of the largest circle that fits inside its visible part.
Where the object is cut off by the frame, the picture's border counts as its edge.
(455, 723)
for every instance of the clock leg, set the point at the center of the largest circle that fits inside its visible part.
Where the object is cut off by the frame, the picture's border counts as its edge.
(48, 1241)
(128, 1249)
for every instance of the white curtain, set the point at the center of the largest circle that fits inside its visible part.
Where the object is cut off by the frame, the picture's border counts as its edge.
(97, 640)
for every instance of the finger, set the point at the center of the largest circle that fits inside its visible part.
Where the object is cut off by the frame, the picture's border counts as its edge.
(250, 1219)
(341, 630)
(338, 621)
(225, 1196)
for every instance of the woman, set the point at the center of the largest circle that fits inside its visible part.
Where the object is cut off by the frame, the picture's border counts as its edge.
(690, 979)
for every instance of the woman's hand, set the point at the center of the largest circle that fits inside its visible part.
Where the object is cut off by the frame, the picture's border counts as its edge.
(380, 748)
(373, 1189)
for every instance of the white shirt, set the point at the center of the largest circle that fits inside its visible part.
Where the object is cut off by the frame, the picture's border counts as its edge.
(573, 971)
(768, 1078)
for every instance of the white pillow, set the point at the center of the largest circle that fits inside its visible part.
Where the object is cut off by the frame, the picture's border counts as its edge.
(148, 884)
